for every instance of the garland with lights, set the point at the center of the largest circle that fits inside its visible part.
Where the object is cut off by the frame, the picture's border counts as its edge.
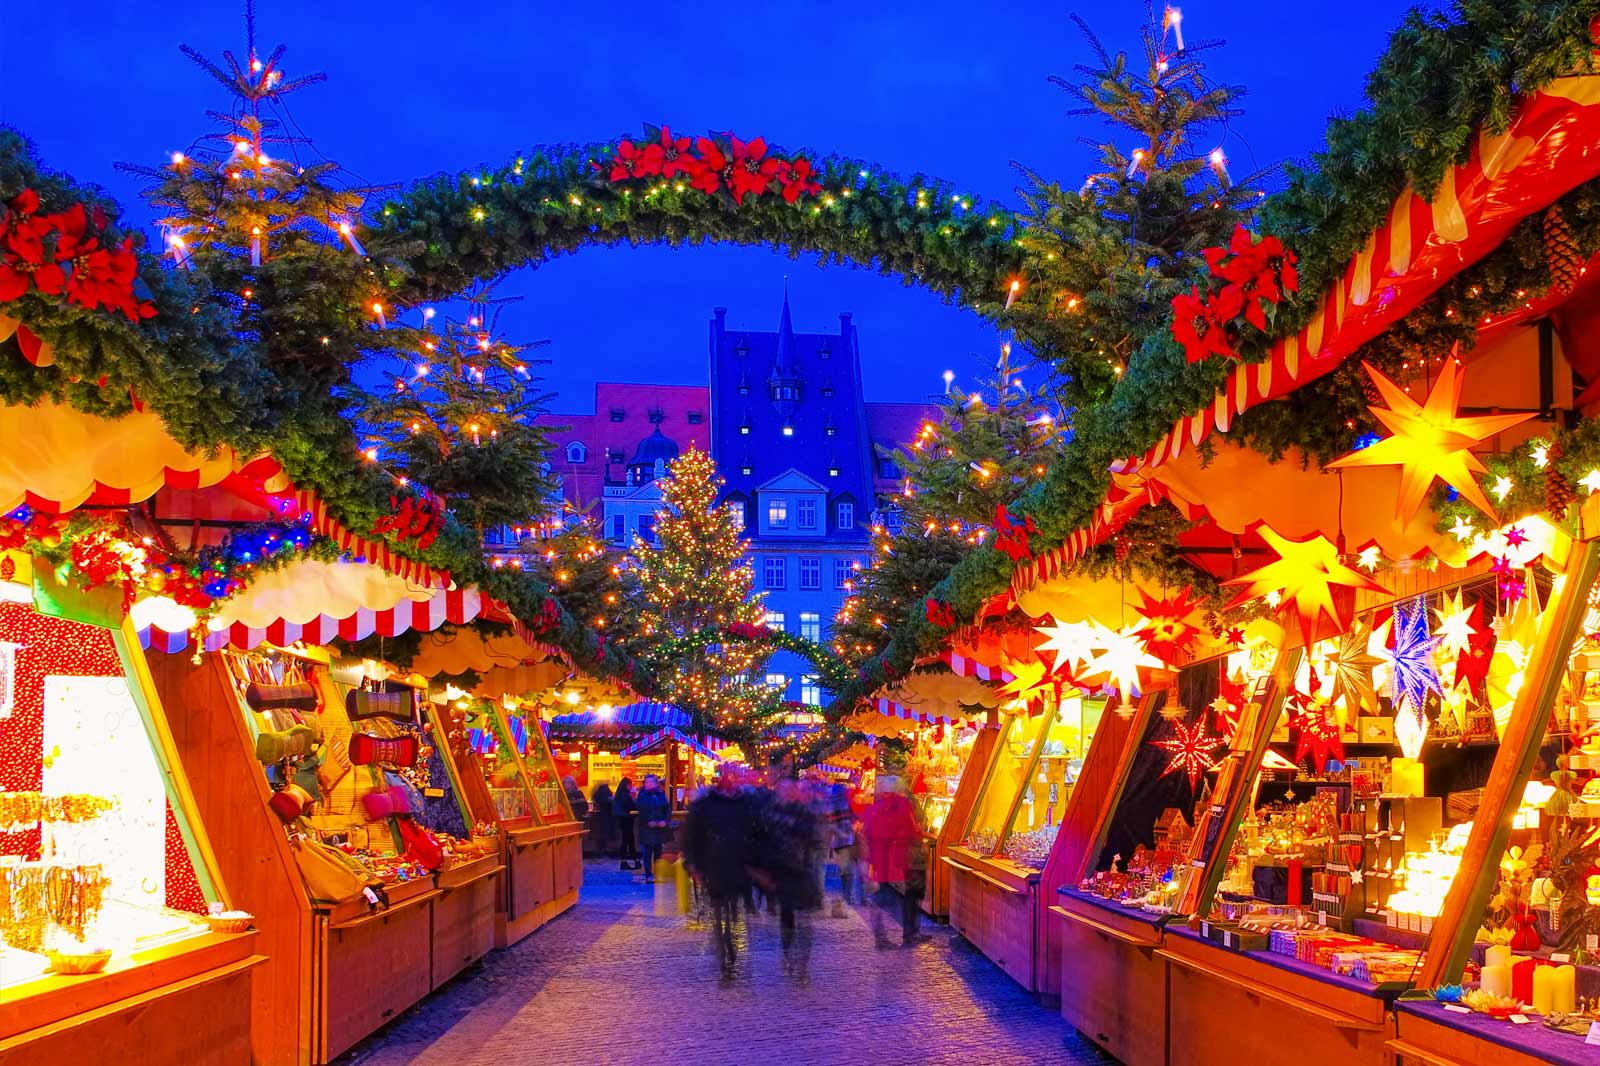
(833, 673)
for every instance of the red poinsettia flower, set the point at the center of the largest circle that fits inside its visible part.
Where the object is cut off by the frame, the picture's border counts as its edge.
(14, 283)
(26, 228)
(1011, 536)
(630, 161)
(671, 156)
(753, 172)
(1201, 325)
(712, 166)
(796, 179)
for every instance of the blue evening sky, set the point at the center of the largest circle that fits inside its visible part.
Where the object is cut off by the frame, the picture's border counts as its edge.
(944, 88)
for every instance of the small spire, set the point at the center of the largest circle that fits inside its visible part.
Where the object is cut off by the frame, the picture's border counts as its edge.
(785, 331)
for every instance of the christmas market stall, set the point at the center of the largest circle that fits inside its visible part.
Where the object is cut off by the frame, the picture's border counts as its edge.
(117, 926)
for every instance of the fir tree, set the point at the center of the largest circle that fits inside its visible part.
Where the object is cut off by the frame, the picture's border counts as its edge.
(696, 582)
(593, 580)
(1105, 259)
(458, 414)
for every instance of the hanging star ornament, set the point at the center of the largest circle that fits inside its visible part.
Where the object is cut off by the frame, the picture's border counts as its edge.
(1411, 658)
(1228, 707)
(1120, 660)
(1071, 644)
(1191, 749)
(1429, 440)
(1028, 683)
(1350, 667)
(1170, 626)
(1457, 623)
(1317, 734)
(1307, 575)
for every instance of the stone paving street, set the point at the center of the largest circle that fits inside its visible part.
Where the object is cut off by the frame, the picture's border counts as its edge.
(622, 979)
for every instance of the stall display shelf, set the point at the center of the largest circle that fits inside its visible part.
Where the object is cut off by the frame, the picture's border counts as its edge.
(1428, 1033)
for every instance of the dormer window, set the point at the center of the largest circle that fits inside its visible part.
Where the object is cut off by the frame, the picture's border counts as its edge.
(785, 392)
(618, 414)
(744, 388)
(576, 452)
(695, 418)
(744, 429)
(833, 471)
(747, 469)
(742, 348)
(788, 431)
(832, 431)
(827, 390)
(824, 352)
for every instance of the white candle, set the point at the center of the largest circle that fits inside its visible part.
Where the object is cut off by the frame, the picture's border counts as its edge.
(1496, 980)
(1497, 955)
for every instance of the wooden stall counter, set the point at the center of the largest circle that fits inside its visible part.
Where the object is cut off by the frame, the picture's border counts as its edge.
(1227, 1007)
(529, 899)
(992, 905)
(1429, 1034)
(142, 1008)
(1113, 975)
(375, 964)
(464, 915)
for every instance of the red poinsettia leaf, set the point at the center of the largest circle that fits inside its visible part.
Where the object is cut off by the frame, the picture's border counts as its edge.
(14, 283)
(50, 278)
(25, 202)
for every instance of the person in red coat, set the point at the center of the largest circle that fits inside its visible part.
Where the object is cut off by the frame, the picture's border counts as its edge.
(894, 851)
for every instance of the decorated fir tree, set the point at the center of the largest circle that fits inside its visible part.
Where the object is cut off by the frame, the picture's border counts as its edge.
(592, 580)
(457, 412)
(697, 583)
(1105, 259)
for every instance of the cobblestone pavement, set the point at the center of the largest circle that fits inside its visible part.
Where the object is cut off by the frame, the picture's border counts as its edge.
(623, 978)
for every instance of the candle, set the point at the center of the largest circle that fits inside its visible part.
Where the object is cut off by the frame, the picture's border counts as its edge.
(1497, 955)
(1563, 994)
(1496, 980)
(1522, 971)
(1544, 988)
(1133, 164)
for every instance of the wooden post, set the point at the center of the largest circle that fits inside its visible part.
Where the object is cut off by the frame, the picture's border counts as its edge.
(1216, 826)
(1457, 924)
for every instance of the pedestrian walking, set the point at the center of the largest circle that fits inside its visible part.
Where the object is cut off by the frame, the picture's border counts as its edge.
(717, 845)
(602, 826)
(575, 800)
(892, 833)
(623, 809)
(655, 821)
(791, 874)
(842, 848)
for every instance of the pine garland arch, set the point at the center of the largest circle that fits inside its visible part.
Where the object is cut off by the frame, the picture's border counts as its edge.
(553, 200)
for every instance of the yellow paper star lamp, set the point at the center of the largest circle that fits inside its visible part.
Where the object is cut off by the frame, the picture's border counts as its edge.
(1071, 644)
(1028, 684)
(1120, 661)
(1304, 576)
(1455, 626)
(1429, 440)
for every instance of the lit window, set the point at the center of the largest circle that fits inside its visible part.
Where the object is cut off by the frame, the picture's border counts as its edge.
(788, 431)
(810, 574)
(833, 471)
(744, 429)
(736, 509)
(778, 514)
(576, 452)
(810, 691)
(806, 513)
(777, 681)
(842, 572)
(847, 516)
(810, 621)
(777, 620)
(832, 431)
(774, 574)
(747, 470)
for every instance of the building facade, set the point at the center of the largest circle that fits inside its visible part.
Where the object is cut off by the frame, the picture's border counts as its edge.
(806, 460)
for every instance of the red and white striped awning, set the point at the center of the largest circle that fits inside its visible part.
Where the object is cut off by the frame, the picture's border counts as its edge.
(965, 667)
(459, 606)
(896, 710)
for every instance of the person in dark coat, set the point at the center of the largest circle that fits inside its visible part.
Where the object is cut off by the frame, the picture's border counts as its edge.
(655, 822)
(575, 800)
(717, 840)
(602, 827)
(623, 810)
(790, 873)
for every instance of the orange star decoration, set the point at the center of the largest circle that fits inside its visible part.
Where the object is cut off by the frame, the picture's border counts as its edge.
(1305, 576)
(1170, 625)
(1429, 441)
(1028, 683)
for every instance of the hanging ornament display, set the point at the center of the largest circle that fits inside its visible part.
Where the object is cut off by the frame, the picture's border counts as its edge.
(1317, 733)
(1349, 666)
(1191, 750)
(1119, 661)
(1071, 644)
(1169, 626)
(1412, 676)
(1307, 576)
(1457, 624)
(1429, 440)
(1028, 685)
(1228, 707)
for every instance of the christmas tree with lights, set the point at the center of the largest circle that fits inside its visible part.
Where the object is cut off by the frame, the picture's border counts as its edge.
(272, 227)
(593, 580)
(697, 584)
(457, 412)
(1106, 259)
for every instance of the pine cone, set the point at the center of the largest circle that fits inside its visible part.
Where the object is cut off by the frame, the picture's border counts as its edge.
(1121, 547)
(1561, 251)
(1558, 493)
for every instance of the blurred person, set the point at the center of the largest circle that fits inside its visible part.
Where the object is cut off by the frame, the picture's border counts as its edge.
(602, 827)
(579, 805)
(842, 846)
(792, 874)
(623, 809)
(892, 834)
(718, 840)
(654, 811)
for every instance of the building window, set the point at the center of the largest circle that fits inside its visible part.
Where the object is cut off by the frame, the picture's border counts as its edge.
(773, 574)
(618, 414)
(777, 620)
(824, 352)
(842, 572)
(827, 390)
(811, 573)
(647, 528)
(810, 691)
(695, 418)
(832, 431)
(613, 455)
(806, 513)
(788, 431)
(576, 452)
(847, 516)
(777, 681)
(747, 470)
(833, 471)
(619, 529)
(744, 389)
(736, 509)
(778, 514)
(888, 468)
(811, 623)
(744, 429)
